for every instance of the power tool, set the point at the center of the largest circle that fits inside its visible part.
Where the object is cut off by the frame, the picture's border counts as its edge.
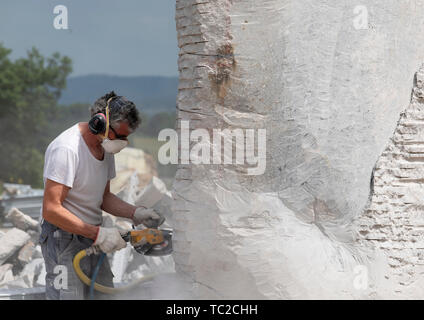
(150, 242)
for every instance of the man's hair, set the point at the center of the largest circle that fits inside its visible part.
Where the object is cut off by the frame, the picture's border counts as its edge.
(120, 110)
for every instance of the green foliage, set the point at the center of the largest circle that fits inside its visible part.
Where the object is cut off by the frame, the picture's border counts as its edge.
(146, 138)
(67, 116)
(30, 117)
(29, 90)
(151, 145)
(148, 144)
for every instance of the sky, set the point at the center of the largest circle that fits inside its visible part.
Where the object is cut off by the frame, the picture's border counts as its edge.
(116, 37)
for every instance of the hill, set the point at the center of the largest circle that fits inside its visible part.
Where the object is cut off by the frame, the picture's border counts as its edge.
(151, 94)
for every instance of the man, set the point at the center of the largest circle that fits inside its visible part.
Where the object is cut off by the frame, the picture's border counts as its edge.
(79, 165)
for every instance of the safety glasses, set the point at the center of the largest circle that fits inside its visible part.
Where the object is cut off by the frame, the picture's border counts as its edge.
(118, 136)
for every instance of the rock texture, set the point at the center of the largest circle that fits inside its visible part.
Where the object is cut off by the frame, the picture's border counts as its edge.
(128, 265)
(21, 220)
(329, 96)
(11, 242)
(132, 161)
(394, 219)
(21, 262)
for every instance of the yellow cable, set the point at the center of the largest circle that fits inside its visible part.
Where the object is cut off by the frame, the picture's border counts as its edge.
(106, 134)
(109, 290)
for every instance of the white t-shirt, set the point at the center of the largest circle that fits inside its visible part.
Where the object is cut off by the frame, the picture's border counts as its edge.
(69, 161)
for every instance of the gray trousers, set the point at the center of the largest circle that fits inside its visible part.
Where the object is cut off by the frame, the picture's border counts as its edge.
(62, 283)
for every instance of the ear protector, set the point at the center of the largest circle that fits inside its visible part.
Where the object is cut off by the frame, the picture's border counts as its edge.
(99, 123)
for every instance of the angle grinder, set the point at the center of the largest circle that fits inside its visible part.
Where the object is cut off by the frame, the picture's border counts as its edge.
(150, 241)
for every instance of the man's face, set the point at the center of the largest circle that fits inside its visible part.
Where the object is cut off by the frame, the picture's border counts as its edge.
(121, 132)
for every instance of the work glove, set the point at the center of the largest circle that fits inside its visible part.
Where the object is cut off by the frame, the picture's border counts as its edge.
(149, 217)
(109, 240)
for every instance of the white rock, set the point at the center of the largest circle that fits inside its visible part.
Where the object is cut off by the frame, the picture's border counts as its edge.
(129, 192)
(12, 241)
(130, 162)
(35, 235)
(123, 225)
(18, 283)
(31, 271)
(21, 220)
(108, 220)
(37, 252)
(329, 106)
(4, 269)
(26, 253)
(120, 261)
(41, 279)
(397, 221)
(164, 206)
(151, 194)
(7, 278)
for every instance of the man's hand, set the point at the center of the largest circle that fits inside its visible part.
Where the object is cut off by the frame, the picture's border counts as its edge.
(149, 217)
(109, 240)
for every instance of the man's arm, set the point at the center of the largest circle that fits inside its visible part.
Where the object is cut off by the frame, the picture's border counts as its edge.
(115, 206)
(54, 212)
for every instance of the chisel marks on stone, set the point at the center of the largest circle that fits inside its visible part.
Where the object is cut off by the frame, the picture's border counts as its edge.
(393, 220)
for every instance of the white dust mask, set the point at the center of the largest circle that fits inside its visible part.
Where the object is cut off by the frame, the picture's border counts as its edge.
(114, 146)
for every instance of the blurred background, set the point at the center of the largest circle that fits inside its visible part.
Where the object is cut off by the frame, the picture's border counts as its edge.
(49, 76)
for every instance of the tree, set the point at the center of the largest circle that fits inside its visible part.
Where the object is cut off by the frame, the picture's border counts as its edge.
(29, 90)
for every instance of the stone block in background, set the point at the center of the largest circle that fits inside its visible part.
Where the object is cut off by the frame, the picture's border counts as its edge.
(41, 279)
(6, 273)
(37, 252)
(35, 235)
(26, 253)
(21, 220)
(11, 242)
(132, 161)
(31, 271)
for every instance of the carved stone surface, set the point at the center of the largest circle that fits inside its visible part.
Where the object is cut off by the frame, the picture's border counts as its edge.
(394, 219)
(329, 96)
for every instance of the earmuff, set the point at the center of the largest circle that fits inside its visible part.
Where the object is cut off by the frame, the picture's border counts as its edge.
(99, 123)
